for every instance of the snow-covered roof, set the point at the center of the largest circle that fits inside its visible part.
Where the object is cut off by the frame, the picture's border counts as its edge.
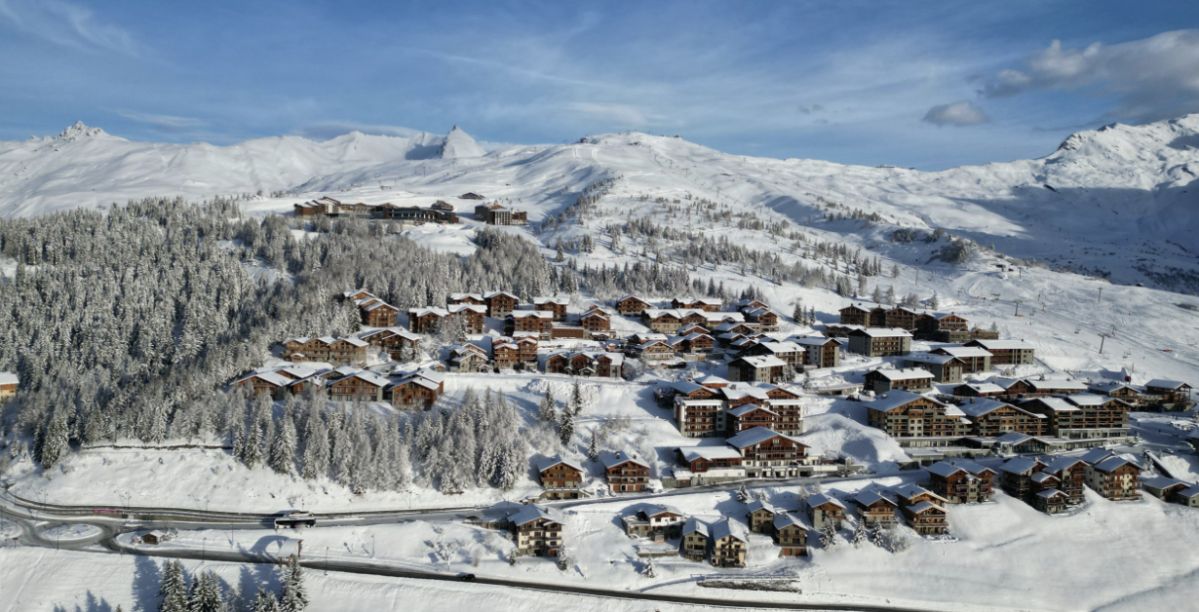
(1041, 477)
(694, 525)
(611, 460)
(820, 499)
(1162, 482)
(1049, 493)
(369, 377)
(1088, 399)
(763, 361)
(895, 399)
(871, 495)
(928, 358)
(1161, 383)
(980, 407)
(1002, 345)
(904, 374)
(712, 379)
(983, 388)
(910, 491)
(758, 504)
(531, 314)
(1057, 385)
(787, 519)
(964, 351)
(755, 435)
(748, 408)
(730, 528)
(561, 301)
(430, 310)
(811, 340)
(273, 378)
(533, 512)
(943, 469)
(1114, 463)
(923, 507)
(1019, 465)
(1189, 492)
(355, 342)
(781, 347)
(493, 294)
(1056, 404)
(736, 391)
(884, 332)
(457, 308)
(466, 296)
(1062, 463)
(691, 453)
(1108, 386)
(546, 463)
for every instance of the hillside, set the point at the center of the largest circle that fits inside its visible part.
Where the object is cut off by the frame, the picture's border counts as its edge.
(87, 167)
(1113, 203)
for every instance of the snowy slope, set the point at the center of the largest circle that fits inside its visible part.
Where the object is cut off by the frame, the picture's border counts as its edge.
(1113, 202)
(86, 167)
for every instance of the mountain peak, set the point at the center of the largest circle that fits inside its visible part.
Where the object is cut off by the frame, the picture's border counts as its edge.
(459, 144)
(80, 130)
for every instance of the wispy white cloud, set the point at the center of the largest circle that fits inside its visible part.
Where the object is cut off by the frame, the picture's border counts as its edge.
(958, 113)
(67, 24)
(332, 129)
(166, 123)
(1153, 78)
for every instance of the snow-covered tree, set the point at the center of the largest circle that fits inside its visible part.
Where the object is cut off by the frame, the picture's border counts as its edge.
(577, 403)
(265, 601)
(173, 589)
(295, 594)
(283, 450)
(207, 594)
(566, 428)
(593, 451)
(547, 411)
(828, 535)
(860, 535)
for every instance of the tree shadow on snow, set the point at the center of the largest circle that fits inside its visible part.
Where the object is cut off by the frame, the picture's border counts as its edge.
(147, 577)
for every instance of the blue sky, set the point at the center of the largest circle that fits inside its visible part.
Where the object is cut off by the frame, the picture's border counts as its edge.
(922, 84)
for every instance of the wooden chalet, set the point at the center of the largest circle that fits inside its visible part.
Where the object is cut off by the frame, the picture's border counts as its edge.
(901, 317)
(769, 454)
(991, 418)
(906, 415)
(561, 478)
(695, 542)
(730, 542)
(820, 352)
(1082, 416)
(855, 315)
(596, 321)
(625, 474)
(538, 531)
(1007, 352)
(1016, 477)
(824, 509)
(1170, 391)
(923, 509)
(791, 535)
(417, 391)
(973, 358)
(363, 386)
(1112, 476)
(875, 507)
(538, 322)
(554, 305)
(767, 369)
(961, 482)
(705, 304)
(944, 369)
(880, 342)
(1070, 473)
(907, 379)
(632, 306)
(759, 516)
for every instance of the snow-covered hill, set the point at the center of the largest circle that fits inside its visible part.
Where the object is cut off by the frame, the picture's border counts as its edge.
(87, 167)
(1113, 202)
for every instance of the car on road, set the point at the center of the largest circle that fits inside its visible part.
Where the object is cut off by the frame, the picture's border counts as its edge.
(466, 577)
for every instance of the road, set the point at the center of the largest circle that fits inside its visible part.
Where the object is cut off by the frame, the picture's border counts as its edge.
(33, 519)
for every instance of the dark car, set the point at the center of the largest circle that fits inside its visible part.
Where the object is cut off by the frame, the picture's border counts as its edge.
(466, 577)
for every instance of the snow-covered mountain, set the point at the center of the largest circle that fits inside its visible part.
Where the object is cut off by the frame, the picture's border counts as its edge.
(87, 167)
(1114, 201)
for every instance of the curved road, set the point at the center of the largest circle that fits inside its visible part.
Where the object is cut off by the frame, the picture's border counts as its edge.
(33, 518)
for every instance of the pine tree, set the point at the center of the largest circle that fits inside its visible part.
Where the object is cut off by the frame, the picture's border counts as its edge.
(876, 296)
(828, 535)
(265, 601)
(860, 535)
(56, 444)
(295, 595)
(173, 589)
(207, 595)
(890, 298)
(316, 445)
(566, 429)
(933, 302)
(798, 314)
(576, 399)
(283, 450)
(593, 452)
(547, 411)
(895, 271)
